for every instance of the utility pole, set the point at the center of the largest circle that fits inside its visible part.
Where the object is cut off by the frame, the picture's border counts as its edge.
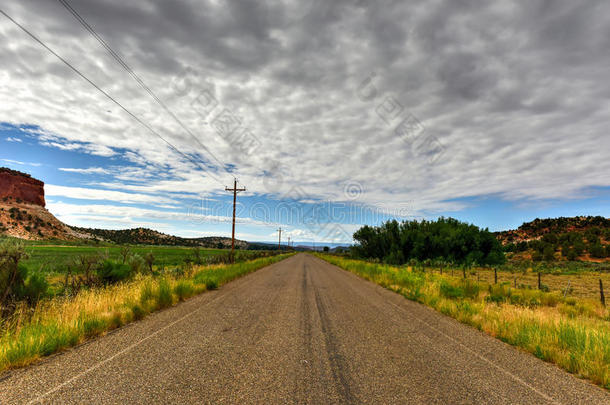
(279, 243)
(235, 190)
(289, 242)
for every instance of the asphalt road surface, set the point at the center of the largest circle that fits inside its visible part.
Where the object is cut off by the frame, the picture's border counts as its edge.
(299, 331)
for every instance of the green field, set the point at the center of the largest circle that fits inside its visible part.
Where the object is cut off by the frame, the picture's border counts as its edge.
(53, 259)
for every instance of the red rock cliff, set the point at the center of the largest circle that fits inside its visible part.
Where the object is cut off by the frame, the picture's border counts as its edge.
(17, 185)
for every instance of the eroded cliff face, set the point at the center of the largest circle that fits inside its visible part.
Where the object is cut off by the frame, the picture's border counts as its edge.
(19, 186)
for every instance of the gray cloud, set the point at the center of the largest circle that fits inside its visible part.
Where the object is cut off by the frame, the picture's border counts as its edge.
(516, 92)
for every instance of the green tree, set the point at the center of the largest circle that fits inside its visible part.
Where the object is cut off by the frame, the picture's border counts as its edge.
(548, 253)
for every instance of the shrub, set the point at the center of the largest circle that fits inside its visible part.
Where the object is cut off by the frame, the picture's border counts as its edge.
(164, 296)
(183, 290)
(450, 291)
(137, 264)
(36, 287)
(204, 278)
(146, 293)
(498, 293)
(471, 289)
(111, 272)
(12, 272)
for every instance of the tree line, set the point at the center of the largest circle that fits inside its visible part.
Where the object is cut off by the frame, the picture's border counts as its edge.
(445, 239)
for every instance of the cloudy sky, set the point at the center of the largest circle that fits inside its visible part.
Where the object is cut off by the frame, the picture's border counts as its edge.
(331, 114)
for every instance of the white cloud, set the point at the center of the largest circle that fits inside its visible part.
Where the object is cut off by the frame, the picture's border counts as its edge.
(90, 170)
(81, 193)
(13, 139)
(17, 162)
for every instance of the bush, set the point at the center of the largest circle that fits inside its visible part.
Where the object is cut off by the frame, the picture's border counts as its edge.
(204, 278)
(12, 272)
(137, 263)
(471, 289)
(36, 287)
(146, 293)
(183, 290)
(498, 293)
(450, 291)
(112, 272)
(164, 296)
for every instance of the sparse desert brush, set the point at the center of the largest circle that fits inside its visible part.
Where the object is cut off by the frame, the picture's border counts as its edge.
(61, 322)
(573, 333)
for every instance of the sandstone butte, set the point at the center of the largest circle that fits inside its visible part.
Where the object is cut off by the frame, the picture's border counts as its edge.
(21, 186)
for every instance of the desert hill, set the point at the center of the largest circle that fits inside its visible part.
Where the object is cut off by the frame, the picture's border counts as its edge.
(22, 209)
(575, 238)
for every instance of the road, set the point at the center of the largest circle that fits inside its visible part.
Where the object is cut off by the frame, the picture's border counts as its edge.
(298, 331)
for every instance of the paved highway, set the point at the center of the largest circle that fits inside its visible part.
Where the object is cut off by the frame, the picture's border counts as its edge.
(299, 331)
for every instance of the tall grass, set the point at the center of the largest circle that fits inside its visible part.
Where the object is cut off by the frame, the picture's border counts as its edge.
(572, 333)
(58, 323)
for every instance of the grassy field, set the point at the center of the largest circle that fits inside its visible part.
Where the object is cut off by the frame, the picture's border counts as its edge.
(52, 259)
(581, 284)
(572, 332)
(61, 322)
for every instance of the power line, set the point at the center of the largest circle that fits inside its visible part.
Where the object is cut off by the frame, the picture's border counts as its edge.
(108, 96)
(135, 76)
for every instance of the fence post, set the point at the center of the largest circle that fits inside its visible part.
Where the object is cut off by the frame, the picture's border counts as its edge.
(539, 282)
(495, 275)
(601, 292)
(515, 281)
(464, 270)
(567, 289)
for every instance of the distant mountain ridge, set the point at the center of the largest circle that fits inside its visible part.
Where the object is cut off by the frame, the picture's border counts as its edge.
(145, 236)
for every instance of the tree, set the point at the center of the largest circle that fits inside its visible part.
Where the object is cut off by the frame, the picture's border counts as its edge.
(597, 250)
(571, 255)
(445, 238)
(326, 249)
(548, 253)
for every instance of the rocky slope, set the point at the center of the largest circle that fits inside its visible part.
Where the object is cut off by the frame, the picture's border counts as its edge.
(22, 209)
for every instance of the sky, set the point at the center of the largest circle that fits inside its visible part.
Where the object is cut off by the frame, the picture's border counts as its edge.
(331, 114)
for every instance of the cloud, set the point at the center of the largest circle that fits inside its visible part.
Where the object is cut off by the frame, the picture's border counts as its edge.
(81, 193)
(13, 139)
(517, 94)
(17, 162)
(90, 170)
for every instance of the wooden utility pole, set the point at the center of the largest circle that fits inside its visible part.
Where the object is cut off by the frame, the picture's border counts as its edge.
(235, 190)
(279, 243)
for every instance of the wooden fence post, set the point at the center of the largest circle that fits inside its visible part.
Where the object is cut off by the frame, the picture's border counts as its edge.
(601, 292)
(539, 282)
(515, 281)
(464, 270)
(495, 275)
